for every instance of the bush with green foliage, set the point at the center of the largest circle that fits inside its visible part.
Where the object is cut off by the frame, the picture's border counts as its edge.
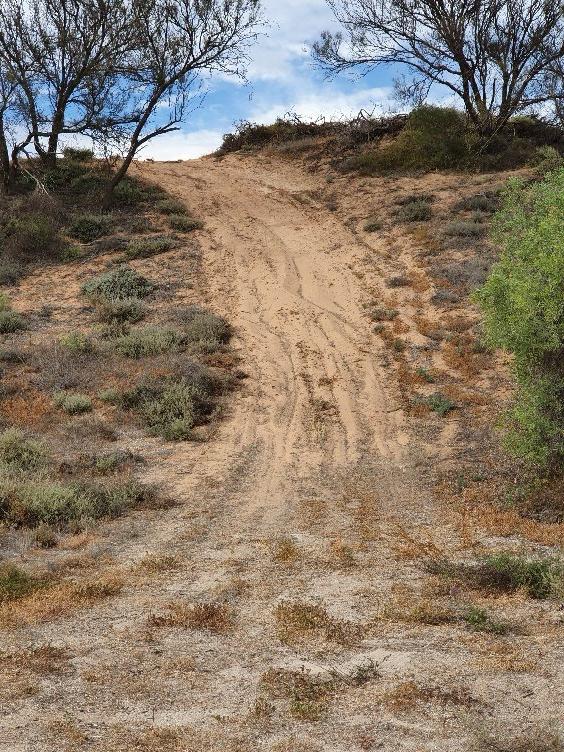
(183, 223)
(73, 404)
(77, 342)
(523, 306)
(541, 578)
(20, 454)
(547, 159)
(122, 283)
(147, 247)
(15, 583)
(373, 224)
(127, 310)
(434, 138)
(175, 411)
(147, 340)
(36, 502)
(465, 228)
(89, 227)
(78, 155)
(10, 322)
(205, 330)
(171, 206)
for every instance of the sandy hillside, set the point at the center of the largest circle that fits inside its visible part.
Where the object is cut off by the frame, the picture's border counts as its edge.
(308, 530)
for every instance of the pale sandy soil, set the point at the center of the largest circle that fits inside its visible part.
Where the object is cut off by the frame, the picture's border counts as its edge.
(316, 488)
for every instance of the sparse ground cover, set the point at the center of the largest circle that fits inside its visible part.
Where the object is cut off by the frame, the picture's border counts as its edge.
(351, 561)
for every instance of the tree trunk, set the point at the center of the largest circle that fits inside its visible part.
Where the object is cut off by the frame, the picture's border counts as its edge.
(4, 156)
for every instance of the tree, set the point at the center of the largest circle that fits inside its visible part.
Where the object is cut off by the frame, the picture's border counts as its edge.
(64, 58)
(178, 41)
(493, 54)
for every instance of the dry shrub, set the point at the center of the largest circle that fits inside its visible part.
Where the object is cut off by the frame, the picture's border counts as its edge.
(410, 608)
(284, 550)
(158, 563)
(29, 411)
(58, 599)
(408, 695)
(296, 621)
(463, 353)
(214, 617)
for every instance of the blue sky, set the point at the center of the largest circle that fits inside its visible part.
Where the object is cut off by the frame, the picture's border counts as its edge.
(281, 77)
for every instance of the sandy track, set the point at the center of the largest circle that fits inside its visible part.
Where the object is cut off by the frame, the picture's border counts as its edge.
(314, 450)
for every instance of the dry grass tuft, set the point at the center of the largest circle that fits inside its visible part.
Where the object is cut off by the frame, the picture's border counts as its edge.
(213, 617)
(57, 600)
(296, 621)
(408, 695)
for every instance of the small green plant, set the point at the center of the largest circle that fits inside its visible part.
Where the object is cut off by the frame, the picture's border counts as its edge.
(128, 310)
(479, 620)
(465, 229)
(204, 329)
(417, 210)
(373, 224)
(10, 322)
(77, 342)
(128, 193)
(146, 247)
(171, 206)
(183, 223)
(148, 340)
(18, 453)
(383, 314)
(122, 283)
(175, 411)
(425, 374)
(438, 403)
(34, 234)
(73, 404)
(10, 271)
(541, 578)
(89, 227)
(15, 583)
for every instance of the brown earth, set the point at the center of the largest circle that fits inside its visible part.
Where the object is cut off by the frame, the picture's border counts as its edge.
(284, 602)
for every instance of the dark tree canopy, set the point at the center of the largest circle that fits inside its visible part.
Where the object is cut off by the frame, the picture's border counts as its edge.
(493, 54)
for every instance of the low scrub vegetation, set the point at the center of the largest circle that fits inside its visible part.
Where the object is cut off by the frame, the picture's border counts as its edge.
(147, 247)
(89, 227)
(122, 283)
(183, 223)
(522, 305)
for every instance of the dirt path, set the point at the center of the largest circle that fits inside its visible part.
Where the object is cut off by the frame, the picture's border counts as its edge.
(296, 500)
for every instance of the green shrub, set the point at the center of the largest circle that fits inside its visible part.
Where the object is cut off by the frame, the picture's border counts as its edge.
(465, 229)
(479, 620)
(175, 411)
(10, 271)
(418, 210)
(148, 340)
(182, 223)
(128, 193)
(33, 234)
(78, 155)
(437, 402)
(434, 138)
(171, 206)
(523, 312)
(204, 329)
(484, 202)
(4, 302)
(89, 227)
(74, 404)
(77, 342)
(122, 283)
(373, 224)
(146, 247)
(121, 311)
(541, 578)
(10, 321)
(384, 314)
(547, 159)
(53, 503)
(15, 583)
(21, 454)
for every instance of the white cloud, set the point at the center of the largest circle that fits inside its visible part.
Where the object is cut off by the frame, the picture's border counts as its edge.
(329, 103)
(183, 145)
